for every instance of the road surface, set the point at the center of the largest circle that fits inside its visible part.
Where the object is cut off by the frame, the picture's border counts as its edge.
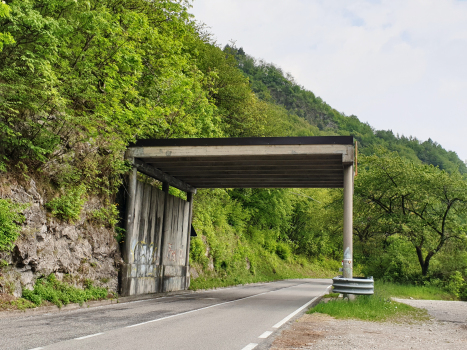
(237, 318)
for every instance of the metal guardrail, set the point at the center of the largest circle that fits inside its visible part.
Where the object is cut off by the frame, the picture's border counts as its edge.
(356, 285)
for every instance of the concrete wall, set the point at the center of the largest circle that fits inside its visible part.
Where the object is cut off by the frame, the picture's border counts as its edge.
(156, 239)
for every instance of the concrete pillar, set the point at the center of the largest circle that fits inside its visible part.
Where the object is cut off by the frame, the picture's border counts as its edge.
(189, 198)
(130, 214)
(165, 217)
(348, 221)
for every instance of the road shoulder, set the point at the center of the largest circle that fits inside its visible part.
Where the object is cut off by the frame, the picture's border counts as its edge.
(319, 331)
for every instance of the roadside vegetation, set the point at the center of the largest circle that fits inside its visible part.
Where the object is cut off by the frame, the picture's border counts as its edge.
(406, 291)
(9, 302)
(380, 306)
(270, 269)
(370, 308)
(61, 293)
(50, 291)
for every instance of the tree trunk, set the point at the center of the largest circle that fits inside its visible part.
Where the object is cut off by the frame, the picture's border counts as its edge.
(424, 263)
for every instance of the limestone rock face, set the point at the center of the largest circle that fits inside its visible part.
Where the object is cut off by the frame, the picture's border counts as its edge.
(47, 245)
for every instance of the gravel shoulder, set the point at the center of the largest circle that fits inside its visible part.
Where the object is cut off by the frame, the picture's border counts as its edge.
(446, 330)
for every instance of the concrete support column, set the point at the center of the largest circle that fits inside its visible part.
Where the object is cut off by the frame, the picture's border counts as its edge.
(189, 198)
(130, 214)
(162, 250)
(348, 221)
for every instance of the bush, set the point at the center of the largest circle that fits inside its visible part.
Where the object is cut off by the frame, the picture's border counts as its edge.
(106, 216)
(455, 284)
(10, 220)
(283, 250)
(198, 251)
(60, 293)
(68, 206)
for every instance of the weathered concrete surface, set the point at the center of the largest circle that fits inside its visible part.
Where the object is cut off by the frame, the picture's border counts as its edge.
(80, 250)
(156, 243)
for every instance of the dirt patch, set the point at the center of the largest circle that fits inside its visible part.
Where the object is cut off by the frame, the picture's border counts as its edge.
(301, 333)
(318, 331)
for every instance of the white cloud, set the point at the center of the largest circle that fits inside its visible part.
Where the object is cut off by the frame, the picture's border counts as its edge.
(398, 64)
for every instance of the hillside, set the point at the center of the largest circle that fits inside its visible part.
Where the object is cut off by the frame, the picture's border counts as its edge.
(271, 84)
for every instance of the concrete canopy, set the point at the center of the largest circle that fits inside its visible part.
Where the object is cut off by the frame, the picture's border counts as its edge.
(266, 162)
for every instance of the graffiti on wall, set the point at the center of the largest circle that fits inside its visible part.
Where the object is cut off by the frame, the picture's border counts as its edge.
(144, 253)
(172, 254)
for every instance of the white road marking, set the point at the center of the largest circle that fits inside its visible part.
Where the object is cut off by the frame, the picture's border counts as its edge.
(202, 308)
(280, 323)
(36, 349)
(88, 336)
(250, 346)
(208, 307)
(265, 335)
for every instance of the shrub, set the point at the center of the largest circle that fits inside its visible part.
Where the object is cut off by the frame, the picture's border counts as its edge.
(197, 251)
(60, 293)
(69, 205)
(283, 250)
(10, 220)
(106, 216)
(455, 283)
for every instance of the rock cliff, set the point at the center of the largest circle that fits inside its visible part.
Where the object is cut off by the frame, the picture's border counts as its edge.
(76, 252)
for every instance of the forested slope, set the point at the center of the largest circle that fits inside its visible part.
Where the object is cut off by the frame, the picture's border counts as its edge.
(80, 79)
(270, 83)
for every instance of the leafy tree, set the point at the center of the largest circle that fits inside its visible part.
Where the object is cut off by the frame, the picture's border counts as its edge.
(5, 38)
(84, 78)
(425, 205)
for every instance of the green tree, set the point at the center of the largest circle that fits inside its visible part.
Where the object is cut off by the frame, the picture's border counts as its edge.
(85, 78)
(5, 38)
(425, 205)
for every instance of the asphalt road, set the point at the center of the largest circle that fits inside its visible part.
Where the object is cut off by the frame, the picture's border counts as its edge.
(237, 318)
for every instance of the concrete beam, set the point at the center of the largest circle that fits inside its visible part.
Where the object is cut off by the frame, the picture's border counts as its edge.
(240, 150)
(161, 176)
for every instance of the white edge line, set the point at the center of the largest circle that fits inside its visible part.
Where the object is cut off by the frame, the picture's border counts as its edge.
(207, 307)
(265, 335)
(280, 323)
(36, 349)
(88, 336)
(202, 308)
(250, 346)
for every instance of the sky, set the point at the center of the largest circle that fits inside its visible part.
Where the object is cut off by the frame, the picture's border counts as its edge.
(395, 64)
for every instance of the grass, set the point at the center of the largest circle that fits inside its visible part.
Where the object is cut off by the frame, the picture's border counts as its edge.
(330, 295)
(380, 307)
(369, 308)
(405, 291)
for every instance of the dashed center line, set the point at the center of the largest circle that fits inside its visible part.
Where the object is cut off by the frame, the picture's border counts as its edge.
(265, 335)
(88, 336)
(250, 346)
